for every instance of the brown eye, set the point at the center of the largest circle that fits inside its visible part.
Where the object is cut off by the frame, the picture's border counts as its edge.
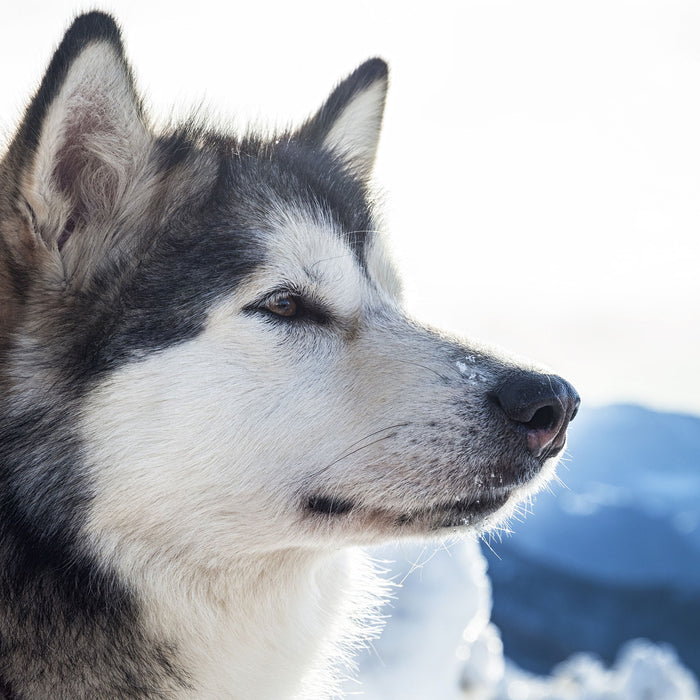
(282, 305)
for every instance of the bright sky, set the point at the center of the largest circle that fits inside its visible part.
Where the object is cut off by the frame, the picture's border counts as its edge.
(540, 159)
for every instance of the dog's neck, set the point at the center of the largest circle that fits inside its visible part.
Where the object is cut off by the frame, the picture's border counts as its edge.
(266, 627)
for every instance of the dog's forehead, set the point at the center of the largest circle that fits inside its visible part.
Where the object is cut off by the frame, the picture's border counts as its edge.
(302, 187)
(312, 220)
(307, 250)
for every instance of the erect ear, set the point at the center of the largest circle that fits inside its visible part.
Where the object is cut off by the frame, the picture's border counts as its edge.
(349, 122)
(81, 143)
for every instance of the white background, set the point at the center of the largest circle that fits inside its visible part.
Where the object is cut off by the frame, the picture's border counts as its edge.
(540, 159)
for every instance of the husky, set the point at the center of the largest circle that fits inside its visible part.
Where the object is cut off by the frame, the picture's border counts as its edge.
(211, 397)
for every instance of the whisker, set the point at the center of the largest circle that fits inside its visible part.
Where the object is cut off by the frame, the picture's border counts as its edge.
(488, 544)
(352, 449)
(417, 564)
(428, 369)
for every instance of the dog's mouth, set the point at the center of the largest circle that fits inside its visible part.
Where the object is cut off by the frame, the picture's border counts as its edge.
(459, 512)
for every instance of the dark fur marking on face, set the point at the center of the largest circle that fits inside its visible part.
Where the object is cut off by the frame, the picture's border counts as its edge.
(329, 505)
(330, 187)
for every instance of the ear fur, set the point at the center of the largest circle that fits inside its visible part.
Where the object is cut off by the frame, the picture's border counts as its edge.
(349, 122)
(83, 137)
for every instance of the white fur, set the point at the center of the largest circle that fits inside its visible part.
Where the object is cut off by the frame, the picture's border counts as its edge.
(355, 133)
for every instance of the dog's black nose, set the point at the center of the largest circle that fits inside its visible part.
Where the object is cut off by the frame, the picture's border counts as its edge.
(542, 405)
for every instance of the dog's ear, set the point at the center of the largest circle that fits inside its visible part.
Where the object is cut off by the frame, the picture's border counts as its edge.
(81, 143)
(349, 122)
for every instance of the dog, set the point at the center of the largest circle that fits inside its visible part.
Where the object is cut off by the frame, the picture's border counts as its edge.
(211, 396)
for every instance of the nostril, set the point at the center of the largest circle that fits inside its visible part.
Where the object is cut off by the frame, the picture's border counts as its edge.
(544, 419)
(574, 413)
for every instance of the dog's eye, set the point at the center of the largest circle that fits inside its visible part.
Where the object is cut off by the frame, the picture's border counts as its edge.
(282, 304)
(287, 305)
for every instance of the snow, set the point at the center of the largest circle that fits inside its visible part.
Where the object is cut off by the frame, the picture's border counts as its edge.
(629, 518)
(643, 671)
(466, 368)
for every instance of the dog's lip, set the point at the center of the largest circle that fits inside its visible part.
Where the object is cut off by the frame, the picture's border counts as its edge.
(460, 512)
(456, 512)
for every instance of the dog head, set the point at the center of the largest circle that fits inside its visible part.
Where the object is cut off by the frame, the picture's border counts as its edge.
(224, 329)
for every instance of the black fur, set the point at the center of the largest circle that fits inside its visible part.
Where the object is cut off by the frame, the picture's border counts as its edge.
(328, 505)
(57, 604)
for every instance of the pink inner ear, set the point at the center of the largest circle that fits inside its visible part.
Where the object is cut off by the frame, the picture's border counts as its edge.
(82, 173)
(70, 161)
(71, 173)
(84, 124)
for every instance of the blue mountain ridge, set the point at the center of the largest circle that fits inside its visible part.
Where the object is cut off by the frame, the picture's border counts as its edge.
(614, 555)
